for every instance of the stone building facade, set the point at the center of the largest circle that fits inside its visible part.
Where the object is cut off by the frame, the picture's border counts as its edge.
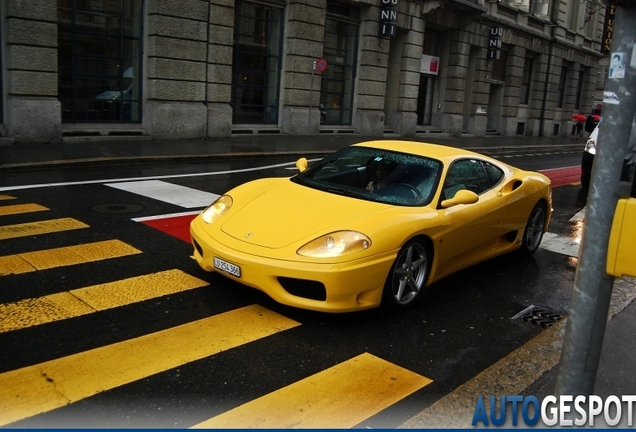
(186, 69)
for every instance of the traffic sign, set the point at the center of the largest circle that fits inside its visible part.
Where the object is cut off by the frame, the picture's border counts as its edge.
(321, 65)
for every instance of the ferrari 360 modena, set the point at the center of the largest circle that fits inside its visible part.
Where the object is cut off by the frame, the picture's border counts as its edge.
(372, 224)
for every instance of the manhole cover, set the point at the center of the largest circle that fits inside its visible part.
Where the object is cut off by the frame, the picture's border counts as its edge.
(539, 316)
(117, 208)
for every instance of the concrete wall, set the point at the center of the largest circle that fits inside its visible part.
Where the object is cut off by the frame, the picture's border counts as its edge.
(32, 110)
(176, 68)
(304, 35)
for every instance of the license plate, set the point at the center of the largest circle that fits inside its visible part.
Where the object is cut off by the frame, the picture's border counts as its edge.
(227, 267)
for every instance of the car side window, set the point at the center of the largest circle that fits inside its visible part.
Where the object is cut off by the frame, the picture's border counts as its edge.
(494, 174)
(466, 174)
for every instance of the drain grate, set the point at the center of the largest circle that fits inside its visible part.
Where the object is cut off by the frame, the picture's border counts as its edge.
(537, 315)
(117, 208)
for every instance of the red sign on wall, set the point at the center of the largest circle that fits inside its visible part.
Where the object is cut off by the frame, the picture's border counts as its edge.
(321, 65)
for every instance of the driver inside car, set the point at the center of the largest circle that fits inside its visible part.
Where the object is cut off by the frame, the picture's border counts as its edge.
(378, 169)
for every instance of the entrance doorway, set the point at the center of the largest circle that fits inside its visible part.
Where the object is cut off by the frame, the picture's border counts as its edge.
(426, 93)
(495, 101)
(497, 86)
(425, 100)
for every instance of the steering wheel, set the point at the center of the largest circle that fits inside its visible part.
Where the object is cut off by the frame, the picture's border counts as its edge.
(416, 193)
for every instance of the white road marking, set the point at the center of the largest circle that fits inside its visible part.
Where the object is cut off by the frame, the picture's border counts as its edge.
(560, 244)
(166, 216)
(162, 177)
(579, 215)
(167, 192)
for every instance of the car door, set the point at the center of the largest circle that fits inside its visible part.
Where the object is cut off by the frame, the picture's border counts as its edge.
(470, 230)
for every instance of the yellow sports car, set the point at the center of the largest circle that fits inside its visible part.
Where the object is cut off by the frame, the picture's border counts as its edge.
(374, 223)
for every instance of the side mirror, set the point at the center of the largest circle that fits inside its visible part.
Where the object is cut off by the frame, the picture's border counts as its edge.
(302, 164)
(463, 196)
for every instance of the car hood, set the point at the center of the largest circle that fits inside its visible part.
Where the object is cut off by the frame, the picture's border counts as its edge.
(289, 213)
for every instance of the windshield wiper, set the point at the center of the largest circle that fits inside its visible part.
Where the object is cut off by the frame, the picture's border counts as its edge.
(346, 192)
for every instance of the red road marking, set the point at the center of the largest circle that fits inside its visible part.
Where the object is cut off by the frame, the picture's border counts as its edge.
(563, 176)
(179, 226)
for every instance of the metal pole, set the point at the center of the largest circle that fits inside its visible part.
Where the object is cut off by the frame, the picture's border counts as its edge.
(592, 286)
(548, 70)
(311, 98)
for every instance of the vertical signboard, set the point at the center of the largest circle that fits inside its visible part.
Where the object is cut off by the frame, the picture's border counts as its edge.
(494, 42)
(608, 29)
(388, 18)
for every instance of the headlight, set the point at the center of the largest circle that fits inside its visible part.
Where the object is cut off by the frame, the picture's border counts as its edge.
(217, 209)
(590, 146)
(335, 244)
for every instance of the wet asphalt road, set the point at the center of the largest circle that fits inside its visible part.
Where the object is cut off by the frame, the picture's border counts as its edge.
(463, 326)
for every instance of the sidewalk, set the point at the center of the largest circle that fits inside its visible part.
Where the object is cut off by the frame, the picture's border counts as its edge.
(530, 370)
(108, 149)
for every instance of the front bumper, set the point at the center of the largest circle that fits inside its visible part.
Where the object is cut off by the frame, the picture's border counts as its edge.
(348, 286)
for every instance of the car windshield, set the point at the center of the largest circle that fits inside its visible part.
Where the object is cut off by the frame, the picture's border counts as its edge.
(375, 175)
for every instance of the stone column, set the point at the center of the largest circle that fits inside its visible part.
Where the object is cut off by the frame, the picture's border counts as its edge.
(32, 111)
(456, 71)
(372, 75)
(405, 120)
(304, 35)
(514, 73)
(176, 68)
(219, 63)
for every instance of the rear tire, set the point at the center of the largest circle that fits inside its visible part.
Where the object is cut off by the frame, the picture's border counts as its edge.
(407, 277)
(533, 233)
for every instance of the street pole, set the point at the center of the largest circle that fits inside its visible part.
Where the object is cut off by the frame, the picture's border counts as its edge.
(311, 98)
(592, 285)
(548, 70)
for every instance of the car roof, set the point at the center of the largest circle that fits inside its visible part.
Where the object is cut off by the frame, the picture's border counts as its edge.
(436, 151)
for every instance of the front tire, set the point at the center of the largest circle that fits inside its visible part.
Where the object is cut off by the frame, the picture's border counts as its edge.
(408, 275)
(533, 233)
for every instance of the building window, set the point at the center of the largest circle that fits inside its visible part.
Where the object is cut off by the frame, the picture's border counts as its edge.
(257, 62)
(526, 78)
(540, 8)
(99, 60)
(573, 16)
(561, 89)
(579, 90)
(340, 48)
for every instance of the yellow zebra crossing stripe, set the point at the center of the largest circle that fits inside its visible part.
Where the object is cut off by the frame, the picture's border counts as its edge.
(6, 197)
(20, 209)
(338, 397)
(46, 386)
(41, 227)
(65, 305)
(64, 256)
